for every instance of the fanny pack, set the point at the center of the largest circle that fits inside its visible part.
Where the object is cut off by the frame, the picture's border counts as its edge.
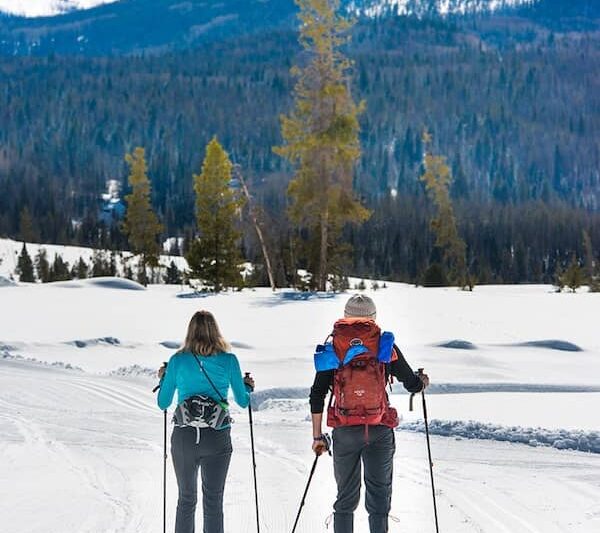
(201, 411)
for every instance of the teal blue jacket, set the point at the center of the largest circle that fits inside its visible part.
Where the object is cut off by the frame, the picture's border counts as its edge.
(184, 376)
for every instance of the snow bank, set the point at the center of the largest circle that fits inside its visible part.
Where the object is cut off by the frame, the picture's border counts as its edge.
(112, 341)
(106, 282)
(5, 282)
(457, 344)
(6, 354)
(133, 371)
(561, 439)
(552, 344)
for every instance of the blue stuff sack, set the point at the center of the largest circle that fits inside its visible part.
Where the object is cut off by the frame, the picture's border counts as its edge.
(386, 344)
(326, 358)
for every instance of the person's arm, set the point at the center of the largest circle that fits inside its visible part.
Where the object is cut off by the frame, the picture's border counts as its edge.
(318, 392)
(240, 392)
(167, 385)
(402, 371)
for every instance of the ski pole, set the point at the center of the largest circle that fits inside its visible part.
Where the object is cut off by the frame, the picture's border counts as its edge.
(310, 476)
(247, 375)
(164, 459)
(312, 471)
(165, 471)
(420, 373)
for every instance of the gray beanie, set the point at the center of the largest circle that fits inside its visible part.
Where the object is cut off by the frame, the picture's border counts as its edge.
(360, 305)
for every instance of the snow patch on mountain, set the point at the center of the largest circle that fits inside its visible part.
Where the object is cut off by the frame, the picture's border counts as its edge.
(376, 8)
(47, 8)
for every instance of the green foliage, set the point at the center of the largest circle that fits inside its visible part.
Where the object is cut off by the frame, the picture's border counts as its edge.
(141, 224)
(80, 269)
(321, 139)
(173, 274)
(25, 266)
(437, 178)
(102, 265)
(215, 257)
(435, 276)
(42, 266)
(573, 276)
(59, 270)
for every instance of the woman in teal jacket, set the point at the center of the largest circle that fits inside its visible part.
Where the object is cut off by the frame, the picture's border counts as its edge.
(204, 448)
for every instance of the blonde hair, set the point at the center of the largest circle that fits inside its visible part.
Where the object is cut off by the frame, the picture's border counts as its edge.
(203, 336)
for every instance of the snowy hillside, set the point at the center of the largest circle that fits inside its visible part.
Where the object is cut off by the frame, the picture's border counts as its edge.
(10, 250)
(515, 377)
(375, 8)
(45, 8)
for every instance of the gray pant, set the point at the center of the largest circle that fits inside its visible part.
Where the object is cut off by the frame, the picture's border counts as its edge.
(210, 450)
(350, 450)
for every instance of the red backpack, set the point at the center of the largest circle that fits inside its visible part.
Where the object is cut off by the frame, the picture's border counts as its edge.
(359, 396)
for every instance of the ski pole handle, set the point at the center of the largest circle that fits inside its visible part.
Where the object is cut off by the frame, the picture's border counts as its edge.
(164, 365)
(418, 373)
(248, 378)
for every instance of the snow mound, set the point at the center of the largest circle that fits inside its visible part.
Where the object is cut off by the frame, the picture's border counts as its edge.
(5, 282)
(457, 344)
(8, 356)
(552, 344)
(241, 345)
(260, 398)
(106, 282)
(194, 294)
(283, 406)
(111, 341)
(561, 439)
(133, 370)
(171, 345)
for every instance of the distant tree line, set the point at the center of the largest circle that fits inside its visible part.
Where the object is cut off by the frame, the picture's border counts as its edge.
(514, 117)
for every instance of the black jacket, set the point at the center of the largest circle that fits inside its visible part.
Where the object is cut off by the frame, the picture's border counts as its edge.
(399, 368)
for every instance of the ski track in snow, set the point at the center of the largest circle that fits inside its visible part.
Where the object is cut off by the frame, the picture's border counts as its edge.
(99, 439)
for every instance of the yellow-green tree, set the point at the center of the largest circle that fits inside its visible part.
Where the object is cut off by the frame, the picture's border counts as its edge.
(215, 256)
(437, 178)
(321, 139)
(141, 224)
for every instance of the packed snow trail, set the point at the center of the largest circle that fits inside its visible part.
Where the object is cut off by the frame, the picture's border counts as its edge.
(83, 452)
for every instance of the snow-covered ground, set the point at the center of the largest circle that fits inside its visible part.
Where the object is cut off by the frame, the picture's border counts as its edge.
(44, 8)
(81, 440)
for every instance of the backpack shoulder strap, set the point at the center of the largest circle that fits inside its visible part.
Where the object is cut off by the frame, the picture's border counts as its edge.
(208, 378)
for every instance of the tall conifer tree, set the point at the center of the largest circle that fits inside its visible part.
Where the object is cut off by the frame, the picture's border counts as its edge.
(141, 224)
(215, 256)
(437, 178)
(25, 266)
(321, 138)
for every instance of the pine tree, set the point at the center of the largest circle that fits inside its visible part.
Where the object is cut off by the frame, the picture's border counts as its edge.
(573, 276)
(215, 257)
(141, 224)
(592, 266)
(100, 264)
(321, 141)
(80, 269)
(59, 271)
(25, 266)
(42, 266)
(437, 178)
(173, 274)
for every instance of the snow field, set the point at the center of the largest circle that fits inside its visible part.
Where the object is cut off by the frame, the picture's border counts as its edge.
(82, 448)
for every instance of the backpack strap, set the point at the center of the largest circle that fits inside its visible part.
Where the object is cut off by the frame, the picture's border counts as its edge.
(209, 380)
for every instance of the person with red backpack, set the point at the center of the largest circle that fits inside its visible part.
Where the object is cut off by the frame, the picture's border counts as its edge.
(356, 363)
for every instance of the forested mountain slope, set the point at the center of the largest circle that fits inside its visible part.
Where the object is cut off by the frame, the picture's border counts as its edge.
(511, 99)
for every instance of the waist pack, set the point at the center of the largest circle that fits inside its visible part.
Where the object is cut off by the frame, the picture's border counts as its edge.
(201, 411)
